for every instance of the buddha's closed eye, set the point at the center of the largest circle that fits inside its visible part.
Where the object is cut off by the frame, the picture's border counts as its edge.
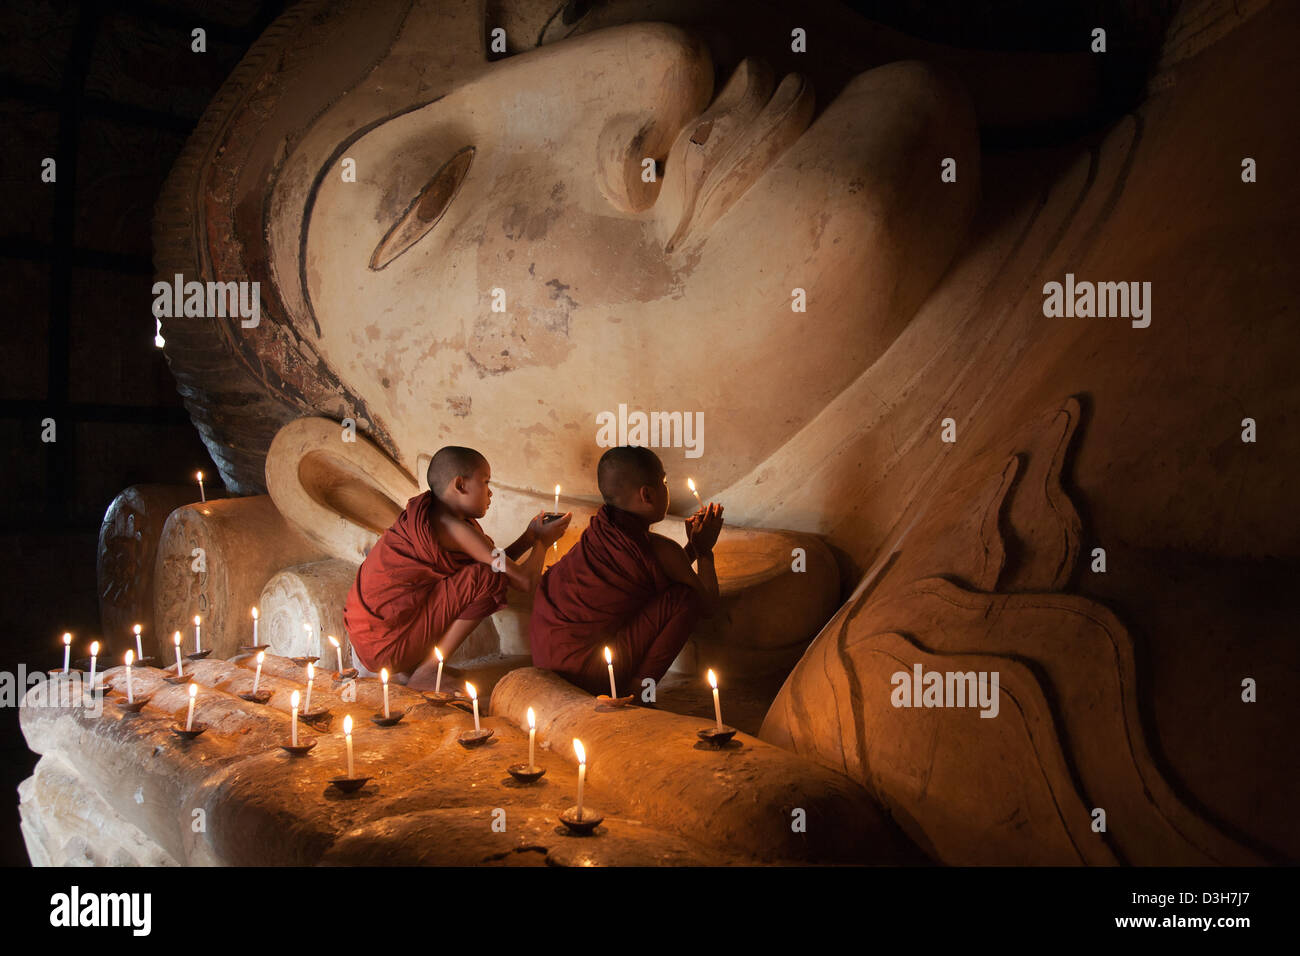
(424, 210)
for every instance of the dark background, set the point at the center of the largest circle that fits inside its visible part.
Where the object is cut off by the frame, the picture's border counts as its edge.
(111, 92)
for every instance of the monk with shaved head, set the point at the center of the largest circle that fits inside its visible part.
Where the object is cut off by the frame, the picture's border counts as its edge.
(435, 574)
(622, 585)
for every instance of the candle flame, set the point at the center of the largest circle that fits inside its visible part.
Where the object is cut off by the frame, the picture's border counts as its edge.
(333, 640)
(293, 698)
(199, 475)
(690, 483)
(94, 648)
(438, 652)
(347, 726)
(306, 627)
(557, 489)
(532, 719)
(130, 657)
(137, 629)
(176, 638)
(311, 672)
(469, 689)
(609, 658)
(67, 638)
(577, 749)
(383, 674)
(261, 656)
(254, 614)
(713, 680)
(194, 689)
(196, 620)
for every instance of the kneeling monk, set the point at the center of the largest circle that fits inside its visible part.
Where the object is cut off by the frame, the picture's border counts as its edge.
(434, 574)
(622, 585)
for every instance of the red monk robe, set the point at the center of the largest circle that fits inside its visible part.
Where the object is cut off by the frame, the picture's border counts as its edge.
(609, 589)
(410, 589)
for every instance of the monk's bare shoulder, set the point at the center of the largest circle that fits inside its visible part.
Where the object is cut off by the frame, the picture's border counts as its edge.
(667, 552)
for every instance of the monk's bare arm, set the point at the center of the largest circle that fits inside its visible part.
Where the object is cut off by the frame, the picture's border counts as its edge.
(467, 538)
(678, 568)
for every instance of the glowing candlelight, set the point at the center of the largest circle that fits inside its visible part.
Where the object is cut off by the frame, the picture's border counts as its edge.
(257, 677)
(202, 496)
(130, 694)
(339, 649)
(383, 677)
(198, 644)
(473, 695)
(609, 662)
(94, 656)
(532, 735)
(293, 732)
(189, 718)
(139, 651)
(582, 770)
(347, 734)
(690, 483)
(437, 684)
(557, 498)
(717, 707)
(311, 676)
(255, 627)
(176, 639)
(67, 650)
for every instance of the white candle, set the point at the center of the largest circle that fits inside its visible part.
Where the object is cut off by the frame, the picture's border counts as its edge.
(347, 734)
(556, 545)
(690, 483)
(130, 694)
(383, 677)
(437, 684)
(532, 735)
(202, 496)
(717, 706)
(473, 695)
(94, 656)
(582, 770)
(67, 651)
(609, 662)
(254, 627)
(189, 718)
(257, 677)
(176, 639)
(198, 644)
(311, 675)
(339, 649)
(293, 732)
(139, 651)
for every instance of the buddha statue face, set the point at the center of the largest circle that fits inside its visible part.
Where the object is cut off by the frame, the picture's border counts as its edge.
(587, 226)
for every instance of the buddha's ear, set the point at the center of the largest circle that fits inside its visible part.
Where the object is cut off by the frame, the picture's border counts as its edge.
(335, 487)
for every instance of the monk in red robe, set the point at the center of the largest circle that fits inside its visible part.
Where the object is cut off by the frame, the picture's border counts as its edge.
(435, 574)
(623, 586)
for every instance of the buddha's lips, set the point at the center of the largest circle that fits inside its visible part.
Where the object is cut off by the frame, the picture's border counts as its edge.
(750, 150)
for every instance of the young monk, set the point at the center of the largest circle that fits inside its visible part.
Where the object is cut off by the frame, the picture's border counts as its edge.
(431, 577)
(624, 586)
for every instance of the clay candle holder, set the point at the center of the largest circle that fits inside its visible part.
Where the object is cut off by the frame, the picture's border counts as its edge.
(180, 731)
(146, 662)
(394, 717)
(349, 784)
(440, 697)
(131, 706)
(317, 716)
(261, 697)
(184, 678)
(717, 736)
(474, 738)
(526, 774)
(583, 825)
(607, 701)
(304, 661)
(302, 748)
(254, 648)
(341, 676)
(198, 655)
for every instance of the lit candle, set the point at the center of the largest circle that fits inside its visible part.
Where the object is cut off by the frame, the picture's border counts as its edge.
(557, 498)
(254, 627)
(293, 731)
(130, 694)
(690, 483)
(202, 496)
(582, 770)
(176, 639)
(437, 684)
(67, 651)
(717, 707)
(198, 645)
(473, 695)
(347, 735)
(257, 677)
(139, 651)
(383, 677)
(189, 718)
(532, 735)
(609, 662)
(339, 649)
(94, 655)
(311, 675)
